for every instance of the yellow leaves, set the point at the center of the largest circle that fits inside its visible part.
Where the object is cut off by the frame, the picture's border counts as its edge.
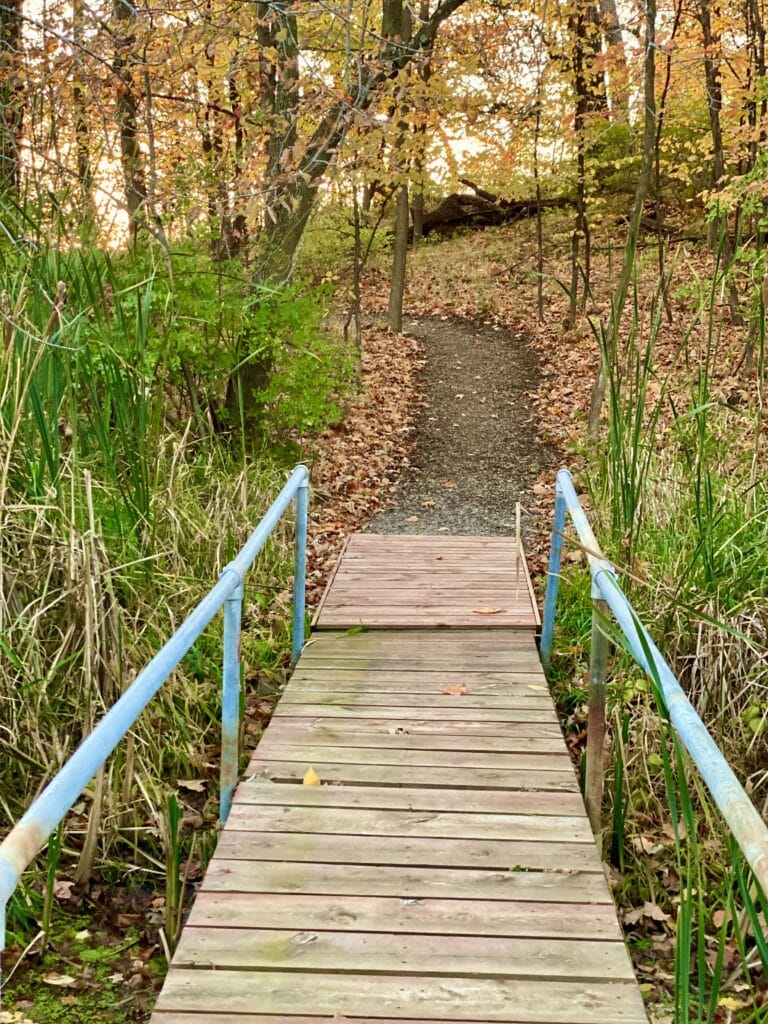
(456, 691)
(487, 611)
(311, 778)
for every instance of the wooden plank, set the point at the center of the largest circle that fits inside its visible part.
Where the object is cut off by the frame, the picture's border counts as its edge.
(274, 750)
(430, 824)
(383, 797)
(334, 848)
(396, 662)
(457, 729)
(478, 635)
(433, 682)
(161, 1017)
(392, 775)
(393, 914)
(521, 1001)
(422, 613)
(285, 731)
(433, 699)
(416, 713)
(331, 578)
(405, 882)
(461, 595)
(386, 953)
(416, 597)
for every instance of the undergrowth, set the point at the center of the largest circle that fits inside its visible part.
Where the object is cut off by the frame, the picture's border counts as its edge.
(123, 492)
(679, 498)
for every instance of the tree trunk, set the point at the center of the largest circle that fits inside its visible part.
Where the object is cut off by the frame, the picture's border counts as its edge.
(618, 301)
(417, 202)
(295, 190)
(11, 97)
(399, 255)
(293, 186)
(618, 72)
(127, 114)
(718, 236)
(591, 97)
(396, 25)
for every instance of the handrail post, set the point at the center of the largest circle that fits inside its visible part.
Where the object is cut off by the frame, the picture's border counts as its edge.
(300, 569)
(553, 576)
(230, 702)
(598, 660)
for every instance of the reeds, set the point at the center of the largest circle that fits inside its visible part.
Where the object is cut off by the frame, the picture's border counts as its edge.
(114, 522)
(679, 496)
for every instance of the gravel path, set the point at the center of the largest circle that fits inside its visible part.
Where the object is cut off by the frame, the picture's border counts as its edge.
(478, 451)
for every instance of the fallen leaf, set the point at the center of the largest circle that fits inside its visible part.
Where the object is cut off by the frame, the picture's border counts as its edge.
(731, 1003)
(646, 845)
(486, 611)
(62, 889)
(536, 686)
(632, 916)
(456, 691)
(655, 912)
(194, 785)
(59, 980)
(311, 778)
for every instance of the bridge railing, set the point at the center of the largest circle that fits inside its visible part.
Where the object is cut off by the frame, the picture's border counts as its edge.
(747, 827)
(32, 831)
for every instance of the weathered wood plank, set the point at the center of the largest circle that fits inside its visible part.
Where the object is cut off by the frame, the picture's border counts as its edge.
(457, 729)
(499, 683)
(416, 916)
(478, 635)
(406, 882)
(393, 775)
(416, 713)
(433, 698)
(407, 662)
(386, 953)
(485, 801)
(435, 824)
(496, 999)
(272, 749)
(335, 848)
(286, 731)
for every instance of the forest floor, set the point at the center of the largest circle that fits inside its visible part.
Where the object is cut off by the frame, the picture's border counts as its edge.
(477, 447)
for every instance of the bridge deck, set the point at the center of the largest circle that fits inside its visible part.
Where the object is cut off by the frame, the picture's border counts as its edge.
(444, 871)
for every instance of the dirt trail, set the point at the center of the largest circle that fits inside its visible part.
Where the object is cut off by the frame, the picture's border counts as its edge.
(478, 451)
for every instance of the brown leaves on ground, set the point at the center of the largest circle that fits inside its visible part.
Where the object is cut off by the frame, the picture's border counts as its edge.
(355, 465)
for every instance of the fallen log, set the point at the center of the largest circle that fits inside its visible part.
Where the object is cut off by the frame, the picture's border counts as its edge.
(482, 209)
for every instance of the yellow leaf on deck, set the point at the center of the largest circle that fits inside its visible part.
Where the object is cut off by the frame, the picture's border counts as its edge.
(486, 611)
(536, 686)
(456, 691)
(311, 778)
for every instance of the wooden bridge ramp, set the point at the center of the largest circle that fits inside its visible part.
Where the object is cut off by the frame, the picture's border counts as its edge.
(445, 869)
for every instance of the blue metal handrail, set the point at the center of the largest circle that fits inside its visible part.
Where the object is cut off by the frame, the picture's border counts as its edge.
(31, 832)
(746, 825)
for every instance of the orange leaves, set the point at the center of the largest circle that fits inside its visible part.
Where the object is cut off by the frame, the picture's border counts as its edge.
(456, 691)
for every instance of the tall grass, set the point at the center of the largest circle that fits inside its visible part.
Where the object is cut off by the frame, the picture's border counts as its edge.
(679, 497)
(113, 523)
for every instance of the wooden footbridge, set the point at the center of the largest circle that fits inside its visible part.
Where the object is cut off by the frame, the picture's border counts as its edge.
(409, 843)
(444, 869)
